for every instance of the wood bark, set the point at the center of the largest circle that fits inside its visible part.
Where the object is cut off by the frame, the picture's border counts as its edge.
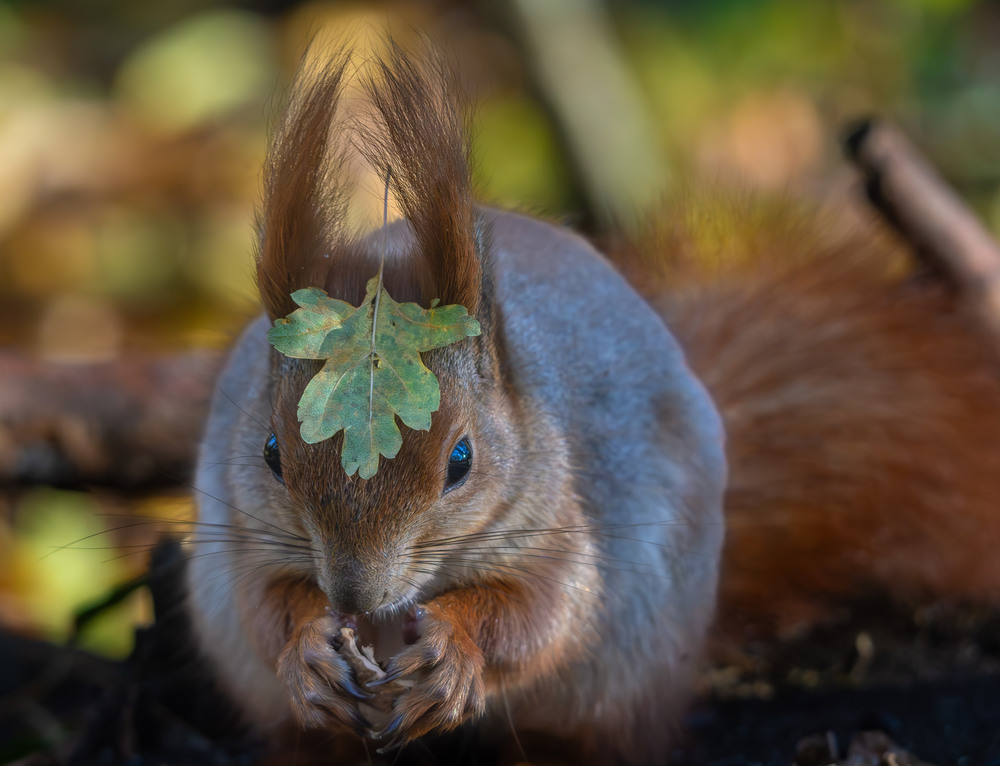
(132, 422)
(926, 211)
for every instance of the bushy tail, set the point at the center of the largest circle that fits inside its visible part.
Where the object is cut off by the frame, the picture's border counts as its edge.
(862, 409)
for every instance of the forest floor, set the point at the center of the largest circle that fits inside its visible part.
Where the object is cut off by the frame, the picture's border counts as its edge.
(885, 688)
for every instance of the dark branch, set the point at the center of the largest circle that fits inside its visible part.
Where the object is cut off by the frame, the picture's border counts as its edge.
(910, 194)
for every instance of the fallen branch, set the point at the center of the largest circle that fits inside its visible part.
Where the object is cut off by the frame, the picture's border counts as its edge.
(131, 422)
(947, 236)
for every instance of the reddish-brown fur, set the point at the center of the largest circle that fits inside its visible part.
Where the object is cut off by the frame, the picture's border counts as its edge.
(417, 141)
(423, 148)
(862, 409)
(304, 200)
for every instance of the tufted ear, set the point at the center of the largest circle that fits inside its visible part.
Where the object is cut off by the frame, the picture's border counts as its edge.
(302, 218)
(415, 136)
(418, 140)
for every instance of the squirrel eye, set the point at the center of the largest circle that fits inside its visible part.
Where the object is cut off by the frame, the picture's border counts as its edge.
(272, 457)
(459, 464)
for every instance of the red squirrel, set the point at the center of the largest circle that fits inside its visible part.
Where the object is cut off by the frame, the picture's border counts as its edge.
(546, 558)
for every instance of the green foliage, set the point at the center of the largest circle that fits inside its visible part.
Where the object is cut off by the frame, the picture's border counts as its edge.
(60, 561)
(373, 370)
(201, 69)
(535, 175)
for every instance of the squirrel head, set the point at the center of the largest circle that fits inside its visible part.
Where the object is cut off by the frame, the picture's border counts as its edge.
(370, 535)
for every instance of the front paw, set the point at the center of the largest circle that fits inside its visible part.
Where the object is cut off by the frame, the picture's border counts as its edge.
(446, 668)
(320, 683)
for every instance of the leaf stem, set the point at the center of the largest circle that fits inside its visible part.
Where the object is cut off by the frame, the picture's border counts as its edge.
(375, 304)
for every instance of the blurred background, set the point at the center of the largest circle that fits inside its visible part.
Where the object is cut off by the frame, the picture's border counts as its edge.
(131, 137)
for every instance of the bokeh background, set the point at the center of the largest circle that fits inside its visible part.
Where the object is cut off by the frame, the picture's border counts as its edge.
(131, 137)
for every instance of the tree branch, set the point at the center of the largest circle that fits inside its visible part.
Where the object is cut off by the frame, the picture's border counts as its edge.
(132, 422)
(947, 236)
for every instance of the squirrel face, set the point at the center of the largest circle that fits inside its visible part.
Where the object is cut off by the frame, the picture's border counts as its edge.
(379, 543)
(376, 541)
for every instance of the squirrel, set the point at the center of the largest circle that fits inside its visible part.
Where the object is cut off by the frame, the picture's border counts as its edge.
(547, 558)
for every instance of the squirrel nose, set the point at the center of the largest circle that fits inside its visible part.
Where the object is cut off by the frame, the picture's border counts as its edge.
(354, 588)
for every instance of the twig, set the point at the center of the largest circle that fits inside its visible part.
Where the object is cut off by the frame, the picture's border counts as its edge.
(903, 186)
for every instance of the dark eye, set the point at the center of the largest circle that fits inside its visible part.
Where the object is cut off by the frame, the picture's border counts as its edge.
(459, 464)
(272, 457)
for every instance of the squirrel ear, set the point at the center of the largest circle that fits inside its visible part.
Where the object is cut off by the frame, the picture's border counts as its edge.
(416, 139)
(304, 194)
(419, 142)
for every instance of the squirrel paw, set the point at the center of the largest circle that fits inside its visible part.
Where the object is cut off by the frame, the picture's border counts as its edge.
(320, 683)
(446, 666)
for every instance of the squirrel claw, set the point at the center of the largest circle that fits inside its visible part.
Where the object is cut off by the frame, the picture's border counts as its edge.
(388, 732)
(389, 729)
(391, 675)
(390, 748)
(356, 691)
(321, 685)
(360, 722)
(446, 666)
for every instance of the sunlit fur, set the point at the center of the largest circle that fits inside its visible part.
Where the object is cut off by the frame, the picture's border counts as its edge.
(415, 138)
(861, 404)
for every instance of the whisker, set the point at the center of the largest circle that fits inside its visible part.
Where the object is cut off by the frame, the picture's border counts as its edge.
(528, 532)
(510, 720)
(572, 557)
(264, 427)
(247, 514)
(258, 462)
(500, 568)
(239, 510)
(234, 575)
(300, 555)
(139, 548)
(206, 529)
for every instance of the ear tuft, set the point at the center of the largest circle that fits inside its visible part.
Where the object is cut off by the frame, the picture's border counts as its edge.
(304, 194)
(418, 140)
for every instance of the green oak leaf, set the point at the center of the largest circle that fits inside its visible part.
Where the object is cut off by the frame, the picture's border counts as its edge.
(372, 372)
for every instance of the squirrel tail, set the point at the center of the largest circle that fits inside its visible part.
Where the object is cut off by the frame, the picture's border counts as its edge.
(862, 409)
